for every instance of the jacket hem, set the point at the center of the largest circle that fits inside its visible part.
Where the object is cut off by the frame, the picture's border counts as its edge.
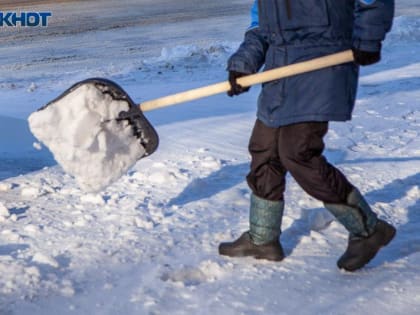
(275, 123)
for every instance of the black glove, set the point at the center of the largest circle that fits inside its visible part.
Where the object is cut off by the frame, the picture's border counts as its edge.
(364, 58)
(235, 88)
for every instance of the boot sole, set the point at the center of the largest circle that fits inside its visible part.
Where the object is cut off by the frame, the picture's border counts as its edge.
(252, 254)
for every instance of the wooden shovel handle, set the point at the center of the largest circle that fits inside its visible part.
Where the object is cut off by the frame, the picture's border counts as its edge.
(266, 76)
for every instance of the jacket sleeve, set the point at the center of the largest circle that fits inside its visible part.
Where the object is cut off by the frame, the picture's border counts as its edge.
(372, 20)
(250, 55)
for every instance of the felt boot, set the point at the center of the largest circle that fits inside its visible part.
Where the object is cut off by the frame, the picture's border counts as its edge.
(367, 233)
(262, 239)
(361, 250)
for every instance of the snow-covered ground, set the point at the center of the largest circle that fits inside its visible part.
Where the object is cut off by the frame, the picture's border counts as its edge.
(148, 243)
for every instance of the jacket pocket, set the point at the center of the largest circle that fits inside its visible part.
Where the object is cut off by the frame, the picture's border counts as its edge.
(296, 14)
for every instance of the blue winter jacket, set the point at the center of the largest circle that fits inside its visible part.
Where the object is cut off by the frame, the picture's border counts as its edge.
(283, 32)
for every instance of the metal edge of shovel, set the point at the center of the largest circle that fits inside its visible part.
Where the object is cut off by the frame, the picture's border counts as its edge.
(144, 130)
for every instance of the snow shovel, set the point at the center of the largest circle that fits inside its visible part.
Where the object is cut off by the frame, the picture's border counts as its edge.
(96, 132)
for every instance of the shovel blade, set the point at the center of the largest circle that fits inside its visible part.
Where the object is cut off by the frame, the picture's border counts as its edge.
(95, 132)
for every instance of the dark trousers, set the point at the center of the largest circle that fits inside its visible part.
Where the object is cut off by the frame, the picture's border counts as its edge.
(296, 149)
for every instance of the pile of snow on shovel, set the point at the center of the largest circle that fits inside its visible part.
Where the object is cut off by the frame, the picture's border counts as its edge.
(82, 132)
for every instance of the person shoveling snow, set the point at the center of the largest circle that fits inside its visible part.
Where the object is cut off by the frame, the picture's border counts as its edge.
(293, 116)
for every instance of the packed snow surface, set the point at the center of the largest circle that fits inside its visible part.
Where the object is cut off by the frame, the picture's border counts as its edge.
(147, 243)
(81, 130)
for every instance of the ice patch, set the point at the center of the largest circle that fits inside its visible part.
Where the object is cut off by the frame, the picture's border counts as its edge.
(81, 131)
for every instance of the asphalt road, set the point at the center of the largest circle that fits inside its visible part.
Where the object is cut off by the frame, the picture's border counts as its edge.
(403, 6)
(72, 16)
(15, 4)
(79, 16)
(153, 23)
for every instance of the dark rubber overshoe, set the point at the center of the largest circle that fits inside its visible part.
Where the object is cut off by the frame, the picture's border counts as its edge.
(244, 246)
(362, 250)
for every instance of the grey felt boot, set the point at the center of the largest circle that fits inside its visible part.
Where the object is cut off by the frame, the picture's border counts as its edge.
(367, 233)
(362, 250)
(262, 239)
